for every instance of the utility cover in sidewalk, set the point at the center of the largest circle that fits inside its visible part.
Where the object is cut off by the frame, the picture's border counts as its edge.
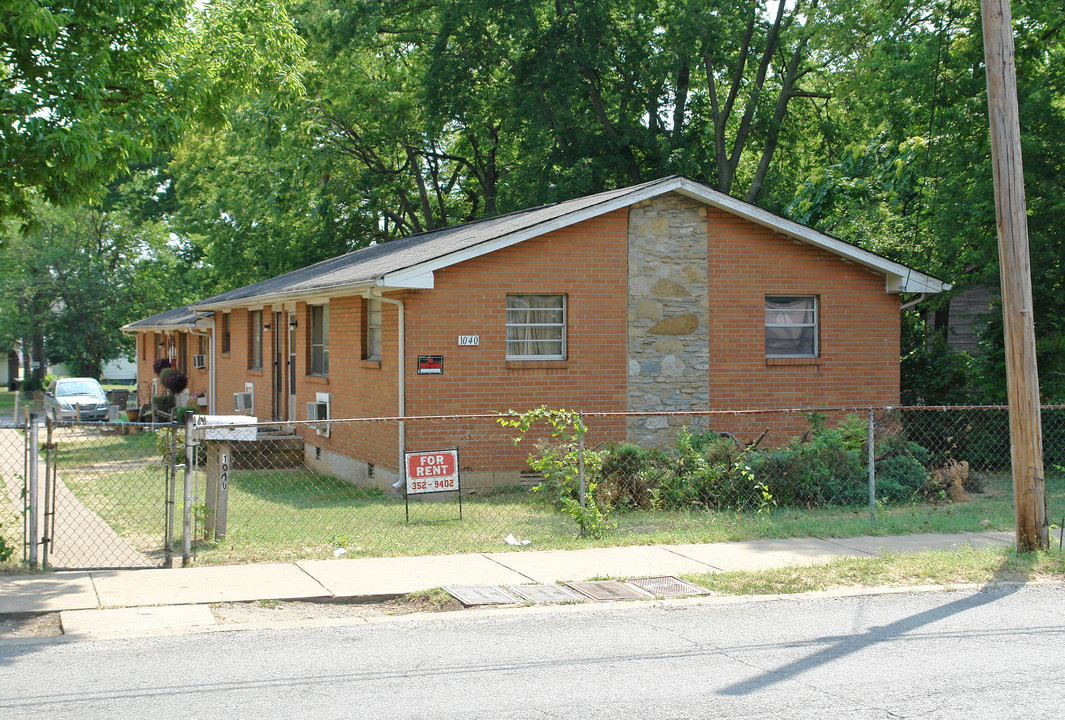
(668, 586)
(609, 590)
(481, 595)
(546, 593)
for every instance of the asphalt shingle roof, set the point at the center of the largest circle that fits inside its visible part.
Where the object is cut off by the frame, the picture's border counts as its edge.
(367, 264)
(177, 318)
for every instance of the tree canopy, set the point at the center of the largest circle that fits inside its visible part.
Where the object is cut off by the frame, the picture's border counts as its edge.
(864, 119)
(87, 88)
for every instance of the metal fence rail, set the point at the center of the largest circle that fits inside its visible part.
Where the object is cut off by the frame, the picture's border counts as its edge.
(121, 495)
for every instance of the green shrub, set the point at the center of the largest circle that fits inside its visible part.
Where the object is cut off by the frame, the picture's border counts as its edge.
(558, 462)
(6, 550)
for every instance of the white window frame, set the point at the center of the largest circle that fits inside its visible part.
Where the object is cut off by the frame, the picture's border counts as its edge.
(255, 339)
(373, 329)
(804, 323)
(513, 323)
(322, 348)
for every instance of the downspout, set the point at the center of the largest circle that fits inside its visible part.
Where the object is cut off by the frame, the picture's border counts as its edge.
(402, 332)
(911, 303)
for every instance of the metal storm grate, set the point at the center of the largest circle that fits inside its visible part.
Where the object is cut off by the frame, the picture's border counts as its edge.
(668, 586)
(546, 593)
(481, 595)
(604, 590)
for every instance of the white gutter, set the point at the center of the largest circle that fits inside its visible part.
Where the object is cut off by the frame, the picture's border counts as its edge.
(911, 303)
(401, 331)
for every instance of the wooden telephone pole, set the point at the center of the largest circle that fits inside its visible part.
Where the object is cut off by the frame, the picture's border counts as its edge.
(1022, 378)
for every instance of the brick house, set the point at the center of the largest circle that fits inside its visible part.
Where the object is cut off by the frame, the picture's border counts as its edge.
(662, 296)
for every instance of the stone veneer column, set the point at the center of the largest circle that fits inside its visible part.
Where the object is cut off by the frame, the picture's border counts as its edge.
(668, 315)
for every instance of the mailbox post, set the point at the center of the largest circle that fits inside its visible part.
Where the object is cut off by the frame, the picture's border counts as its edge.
(219, 434)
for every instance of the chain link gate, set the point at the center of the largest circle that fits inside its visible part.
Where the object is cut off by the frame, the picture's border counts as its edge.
(106, 495)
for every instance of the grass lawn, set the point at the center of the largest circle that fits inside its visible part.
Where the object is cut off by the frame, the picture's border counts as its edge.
(7, 404)
(282, 515)
(966, 565)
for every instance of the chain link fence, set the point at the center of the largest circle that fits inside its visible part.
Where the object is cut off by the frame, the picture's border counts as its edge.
(89, 495)
(122, 495)
(13, 499)
(317, 489)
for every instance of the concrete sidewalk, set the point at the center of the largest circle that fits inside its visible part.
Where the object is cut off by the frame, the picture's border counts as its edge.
(380, 578)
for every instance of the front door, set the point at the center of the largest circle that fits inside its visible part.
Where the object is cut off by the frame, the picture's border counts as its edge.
(279, 367)
(292, 365)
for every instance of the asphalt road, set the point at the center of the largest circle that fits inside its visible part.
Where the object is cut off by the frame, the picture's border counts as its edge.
(963, 654)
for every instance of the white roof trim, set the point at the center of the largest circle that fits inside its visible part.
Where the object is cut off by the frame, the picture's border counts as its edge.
(898, 277)
(408, 280)
(319, 295)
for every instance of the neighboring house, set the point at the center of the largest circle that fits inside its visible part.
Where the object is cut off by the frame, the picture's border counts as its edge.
(662, 296)
(964, 318)
(119, 370)
(113, 371)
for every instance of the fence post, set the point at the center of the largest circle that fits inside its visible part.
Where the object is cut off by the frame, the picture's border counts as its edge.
(190, 463)
(872, 467)
(168, 501)
(580, 465)
(49, 493)
(31, 487)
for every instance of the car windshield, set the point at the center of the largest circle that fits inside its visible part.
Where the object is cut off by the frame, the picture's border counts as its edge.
(79, 387)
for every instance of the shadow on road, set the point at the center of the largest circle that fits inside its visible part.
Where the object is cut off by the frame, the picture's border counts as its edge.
(843, 645)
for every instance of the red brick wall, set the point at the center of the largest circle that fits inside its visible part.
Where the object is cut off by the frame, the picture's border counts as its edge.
(858, 363)
(858, 324)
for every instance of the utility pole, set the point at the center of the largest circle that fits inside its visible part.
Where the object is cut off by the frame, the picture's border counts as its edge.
(1022, 377)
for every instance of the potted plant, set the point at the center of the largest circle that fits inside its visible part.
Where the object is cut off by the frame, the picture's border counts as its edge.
(201, 398)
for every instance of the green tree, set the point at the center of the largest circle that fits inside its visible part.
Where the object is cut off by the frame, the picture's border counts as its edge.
(89, 87)
(910, 174)
(72, 280)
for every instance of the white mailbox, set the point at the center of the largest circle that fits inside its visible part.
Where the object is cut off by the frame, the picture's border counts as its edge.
(227, 427)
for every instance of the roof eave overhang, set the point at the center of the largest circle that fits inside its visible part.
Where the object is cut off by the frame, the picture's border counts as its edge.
(403, 280)
(201, 324)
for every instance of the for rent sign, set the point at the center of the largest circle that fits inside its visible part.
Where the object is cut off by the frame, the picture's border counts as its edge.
(432, 471)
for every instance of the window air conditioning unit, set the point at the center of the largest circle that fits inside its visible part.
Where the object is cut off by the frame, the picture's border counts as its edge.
(242, 402)
(319, 410)
(199, 361)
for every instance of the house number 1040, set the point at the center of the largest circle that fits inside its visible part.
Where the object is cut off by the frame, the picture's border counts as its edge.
(469, 340)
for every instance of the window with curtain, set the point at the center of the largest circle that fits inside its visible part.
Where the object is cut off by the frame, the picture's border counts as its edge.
(255, 337)
(791, 326)
(319, 339)
(536, 327)
(372, 323)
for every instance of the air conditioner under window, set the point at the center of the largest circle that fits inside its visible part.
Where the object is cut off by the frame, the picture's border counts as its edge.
(319, 410)
(199, 361)
(242, 402)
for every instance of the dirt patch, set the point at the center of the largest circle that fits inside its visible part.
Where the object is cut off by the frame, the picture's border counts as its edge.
(266, 611)
(14, 627)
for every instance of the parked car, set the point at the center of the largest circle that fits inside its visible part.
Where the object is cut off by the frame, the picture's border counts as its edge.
(75, 399)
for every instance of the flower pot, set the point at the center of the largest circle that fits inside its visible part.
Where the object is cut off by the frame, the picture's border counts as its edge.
(201, 401)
